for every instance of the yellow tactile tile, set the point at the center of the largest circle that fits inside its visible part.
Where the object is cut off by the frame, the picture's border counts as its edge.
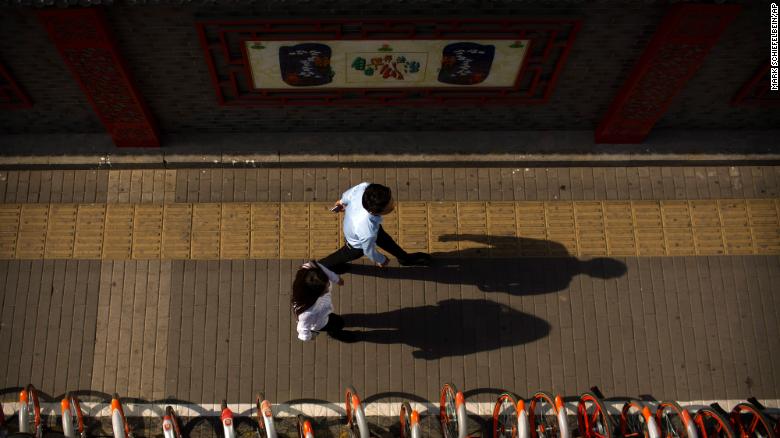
(176, 231)
(205, 231)
(147, 231)
(264, 240)
(118, 234)
(470, 229)
(9, 226)
(235, 231)
(31, 240)
(61, 231)
(90, 225)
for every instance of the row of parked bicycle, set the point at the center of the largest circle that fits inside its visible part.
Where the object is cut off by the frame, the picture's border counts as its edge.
(542, 416)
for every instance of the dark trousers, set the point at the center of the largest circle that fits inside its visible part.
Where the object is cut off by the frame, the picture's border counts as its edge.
(346, 253)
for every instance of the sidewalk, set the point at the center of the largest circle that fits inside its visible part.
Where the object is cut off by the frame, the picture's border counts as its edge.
(682, 327)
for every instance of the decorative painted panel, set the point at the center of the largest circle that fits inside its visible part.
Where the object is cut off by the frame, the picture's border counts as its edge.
(391, 63)
(413, 62)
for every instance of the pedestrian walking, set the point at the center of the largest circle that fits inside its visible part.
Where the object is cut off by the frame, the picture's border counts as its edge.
(364, 206)
(311, 301)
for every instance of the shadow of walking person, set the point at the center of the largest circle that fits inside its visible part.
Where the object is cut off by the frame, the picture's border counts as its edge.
(493, 268)
(450, 328)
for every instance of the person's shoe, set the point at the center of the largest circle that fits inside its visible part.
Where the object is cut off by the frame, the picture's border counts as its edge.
(416, 259)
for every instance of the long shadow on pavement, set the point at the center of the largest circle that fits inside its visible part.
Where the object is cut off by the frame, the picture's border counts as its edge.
(515, 275)
(450, 328)
(456, 327)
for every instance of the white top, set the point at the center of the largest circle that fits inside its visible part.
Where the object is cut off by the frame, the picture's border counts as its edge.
(315, 317)
(360, 226)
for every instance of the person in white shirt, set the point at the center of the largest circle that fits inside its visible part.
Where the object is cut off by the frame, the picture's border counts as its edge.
(364, 206)
(311, 301)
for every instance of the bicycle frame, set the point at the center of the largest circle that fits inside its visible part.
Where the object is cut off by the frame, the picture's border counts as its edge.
(304, 428)
(227, 421)
(563, 422)
(118, 420)
(416, 432)
(71, 406)
(653, 431)
(265, 418)
(523, 424)
(356, 416)
(170, 424)
(30, 406)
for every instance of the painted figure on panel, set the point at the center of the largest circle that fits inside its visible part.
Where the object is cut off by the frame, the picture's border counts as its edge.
(466, 63)
(306, 64)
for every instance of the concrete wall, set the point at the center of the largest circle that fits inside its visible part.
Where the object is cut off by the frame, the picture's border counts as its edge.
(162, 49)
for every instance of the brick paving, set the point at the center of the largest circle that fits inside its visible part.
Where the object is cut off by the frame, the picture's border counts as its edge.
(688, 328)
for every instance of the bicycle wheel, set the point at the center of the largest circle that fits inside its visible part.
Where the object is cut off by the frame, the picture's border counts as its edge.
(593, 420)
(118, 420)
(750, 422)
(505, 417)
(405, 419)
(451, 409)
(712, 423)
(675, 421)
(265, 417)
(772, 419)
(632, 420)
(304, 428)
(544, 416)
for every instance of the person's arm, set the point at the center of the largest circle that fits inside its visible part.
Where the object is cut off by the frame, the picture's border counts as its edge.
(369, 249)
(332, 276)
(304, 334)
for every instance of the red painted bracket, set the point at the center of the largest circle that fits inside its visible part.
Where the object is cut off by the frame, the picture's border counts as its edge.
(551, 41)
(11, 94)
(756, 92)
(674, 55)
(83, 39)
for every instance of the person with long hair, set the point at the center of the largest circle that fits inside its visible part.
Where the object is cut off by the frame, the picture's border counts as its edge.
(311, 301)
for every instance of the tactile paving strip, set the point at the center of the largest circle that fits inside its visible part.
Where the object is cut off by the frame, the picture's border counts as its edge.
(465, 229)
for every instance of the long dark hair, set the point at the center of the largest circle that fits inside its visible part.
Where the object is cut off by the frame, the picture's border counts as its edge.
(310, 284)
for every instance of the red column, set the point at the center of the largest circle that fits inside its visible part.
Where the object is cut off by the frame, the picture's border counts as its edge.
(88, 49)
(675, 53)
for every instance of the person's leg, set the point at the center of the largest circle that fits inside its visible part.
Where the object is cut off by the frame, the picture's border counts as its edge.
(343, 255)
(384, 241)
(335, 329)
(335, 323)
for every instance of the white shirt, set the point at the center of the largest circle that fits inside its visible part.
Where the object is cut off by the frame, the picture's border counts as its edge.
(315, 317)
(360, 226)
